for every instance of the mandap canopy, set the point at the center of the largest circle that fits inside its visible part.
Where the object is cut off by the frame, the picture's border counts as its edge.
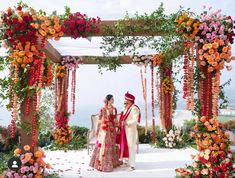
(203, 41)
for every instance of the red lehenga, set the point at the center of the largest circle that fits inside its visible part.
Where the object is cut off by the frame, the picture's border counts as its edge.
(105, 154)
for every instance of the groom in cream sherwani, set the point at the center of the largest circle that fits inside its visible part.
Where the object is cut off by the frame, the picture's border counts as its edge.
(129, 120)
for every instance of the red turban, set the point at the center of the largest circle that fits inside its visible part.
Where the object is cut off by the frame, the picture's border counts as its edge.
(129, 97)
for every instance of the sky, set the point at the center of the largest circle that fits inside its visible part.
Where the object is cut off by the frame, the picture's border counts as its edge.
(92, 86)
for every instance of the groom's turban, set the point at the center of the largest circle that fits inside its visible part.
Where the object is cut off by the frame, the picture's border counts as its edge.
(129, 97)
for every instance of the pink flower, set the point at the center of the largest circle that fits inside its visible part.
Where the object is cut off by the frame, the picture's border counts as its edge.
(45, 173)
(208, 35)
(30, 175)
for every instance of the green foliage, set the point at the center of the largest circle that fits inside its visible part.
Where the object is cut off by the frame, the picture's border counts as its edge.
(4, 157)
(223, 99)
(110, 63)
(169, 42)
(142, 137)
(53, 175)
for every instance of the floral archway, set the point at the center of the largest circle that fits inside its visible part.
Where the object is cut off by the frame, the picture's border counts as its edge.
(204, 42)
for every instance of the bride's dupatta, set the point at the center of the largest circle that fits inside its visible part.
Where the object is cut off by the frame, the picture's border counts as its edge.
(105, 115)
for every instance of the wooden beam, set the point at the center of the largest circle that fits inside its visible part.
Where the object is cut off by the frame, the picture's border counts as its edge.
(104, 24)
(92, 59)
(52, 53)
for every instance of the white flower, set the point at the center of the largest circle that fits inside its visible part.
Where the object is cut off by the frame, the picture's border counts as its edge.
(207, 151)
(164, 139)
(174, 144)
(167, 135)
(171, 132)
(180, 139)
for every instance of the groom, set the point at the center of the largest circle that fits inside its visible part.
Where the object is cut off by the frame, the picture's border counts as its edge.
(129, 120)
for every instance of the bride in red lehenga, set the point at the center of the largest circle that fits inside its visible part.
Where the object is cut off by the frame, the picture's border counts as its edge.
(105, 154)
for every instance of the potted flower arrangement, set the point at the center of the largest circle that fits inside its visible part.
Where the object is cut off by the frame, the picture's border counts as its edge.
(33, 165)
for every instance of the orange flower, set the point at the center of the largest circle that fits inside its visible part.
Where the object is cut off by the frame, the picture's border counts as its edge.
(52, 31)
(26, 147)
(43, 26)
(38, 154)
(210, 69)
(18, 151)
(211, 51)
(209, 45)
(215, 45)
(48, 22)
(225, 49)
(200, 51)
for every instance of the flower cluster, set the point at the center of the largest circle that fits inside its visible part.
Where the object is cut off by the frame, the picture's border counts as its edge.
(214, 157)
(187, 26)
(60, 71)
(157, 59)
(62, 135)
(143, 60)
(23, 55)
(167, 85)
(172, 138)
(32, 164)
(79, 25)
(48, 27)
(70, 62)
(17, 28)
(214, 39)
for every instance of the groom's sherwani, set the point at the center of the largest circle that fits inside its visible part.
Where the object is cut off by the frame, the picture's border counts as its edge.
(130, 117)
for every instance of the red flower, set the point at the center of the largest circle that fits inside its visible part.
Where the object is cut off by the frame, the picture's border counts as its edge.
(19, 8)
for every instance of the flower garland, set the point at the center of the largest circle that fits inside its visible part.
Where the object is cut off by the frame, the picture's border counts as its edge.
(188, 87)
(167, 85)
(79, 25)
(32, 164)
(214, 158)
(153, 100)
(144, 90)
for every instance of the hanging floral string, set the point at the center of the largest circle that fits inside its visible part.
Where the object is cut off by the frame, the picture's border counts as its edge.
(153, 101)
(72, 63)
(189, 75)
(142, 62)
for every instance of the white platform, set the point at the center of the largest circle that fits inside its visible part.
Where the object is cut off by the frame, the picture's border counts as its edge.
(150, 162)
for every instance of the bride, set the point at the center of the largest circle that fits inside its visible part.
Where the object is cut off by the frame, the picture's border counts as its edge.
(105, 154)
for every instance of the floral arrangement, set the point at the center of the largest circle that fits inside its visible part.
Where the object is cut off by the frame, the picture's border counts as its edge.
(188, 27)
(71, 62)
(79, 25)
(214, 38)
(173, 138)
(157, 59)
(167, 85)
(62, 135)
(29, 67)
(48, 27)
(214, 158)
(33, 165)
(59, 71)
(143, 60)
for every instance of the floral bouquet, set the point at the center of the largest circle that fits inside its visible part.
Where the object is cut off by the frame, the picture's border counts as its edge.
(173, 138)
(214, 158)
(63, 135)
(33, 165)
